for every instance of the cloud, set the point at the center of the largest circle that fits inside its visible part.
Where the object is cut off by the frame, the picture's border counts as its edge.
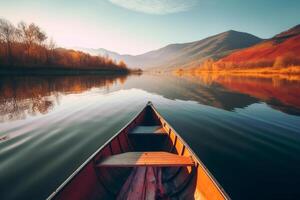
(157, 7)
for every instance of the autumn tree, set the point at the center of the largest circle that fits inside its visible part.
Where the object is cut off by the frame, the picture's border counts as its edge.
(208, 65)
(27, 46)
(122, 64)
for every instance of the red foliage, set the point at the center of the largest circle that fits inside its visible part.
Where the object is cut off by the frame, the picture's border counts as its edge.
(266, 53)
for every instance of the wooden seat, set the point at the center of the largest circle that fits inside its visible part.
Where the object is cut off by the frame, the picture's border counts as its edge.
(154, 159)
(142, 130)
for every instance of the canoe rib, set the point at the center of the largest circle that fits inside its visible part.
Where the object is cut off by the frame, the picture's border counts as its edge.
(153, 159)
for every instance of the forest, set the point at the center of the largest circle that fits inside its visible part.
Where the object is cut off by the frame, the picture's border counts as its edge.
(27, 46)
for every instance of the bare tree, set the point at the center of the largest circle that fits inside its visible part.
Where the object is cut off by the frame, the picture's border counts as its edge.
(31, 34)
(40, 36)
(2, 38)
(1, 45)
(26, 36)
(50, 47)
(8, 34)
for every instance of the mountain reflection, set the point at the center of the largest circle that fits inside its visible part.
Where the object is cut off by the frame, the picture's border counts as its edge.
(279, 92)
(189, 88)
(30, 95)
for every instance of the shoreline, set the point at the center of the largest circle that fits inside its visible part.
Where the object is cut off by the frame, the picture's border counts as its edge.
(265, 71)
(287, 75)
(59, 71)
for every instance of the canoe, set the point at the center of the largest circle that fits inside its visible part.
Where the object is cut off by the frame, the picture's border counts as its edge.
(147, 159)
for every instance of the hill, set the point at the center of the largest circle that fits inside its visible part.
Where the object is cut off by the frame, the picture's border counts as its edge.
(282, 50)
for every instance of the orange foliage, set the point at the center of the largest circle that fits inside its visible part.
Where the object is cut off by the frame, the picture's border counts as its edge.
(26, 46)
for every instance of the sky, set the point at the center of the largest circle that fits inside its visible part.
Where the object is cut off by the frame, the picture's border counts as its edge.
(138, 26)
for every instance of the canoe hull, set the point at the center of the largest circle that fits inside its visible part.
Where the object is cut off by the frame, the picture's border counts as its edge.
(92, 182)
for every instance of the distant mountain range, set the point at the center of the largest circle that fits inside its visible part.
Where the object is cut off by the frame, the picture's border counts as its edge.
(228, 46)
(103, 52)
(184, 54)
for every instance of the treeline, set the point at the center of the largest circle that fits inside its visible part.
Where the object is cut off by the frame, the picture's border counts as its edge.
(283, 62)
(28, 46)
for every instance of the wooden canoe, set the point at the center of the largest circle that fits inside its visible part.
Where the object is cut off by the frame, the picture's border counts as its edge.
(147, 159)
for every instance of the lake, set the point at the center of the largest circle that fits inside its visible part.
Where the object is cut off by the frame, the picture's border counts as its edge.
(246, 130)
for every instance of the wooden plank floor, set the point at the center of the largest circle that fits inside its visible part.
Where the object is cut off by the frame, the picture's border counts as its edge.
(143, 183)
(154, 159)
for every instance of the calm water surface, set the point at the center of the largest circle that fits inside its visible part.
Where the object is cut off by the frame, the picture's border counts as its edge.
(245, 130)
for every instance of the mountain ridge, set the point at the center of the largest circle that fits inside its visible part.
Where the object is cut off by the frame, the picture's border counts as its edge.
(289, 33)
(184, 54)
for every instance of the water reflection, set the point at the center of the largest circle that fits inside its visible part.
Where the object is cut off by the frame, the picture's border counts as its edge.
(280, 92)
(232, 124)
(29, 96)
(191, 89)
(24, 96)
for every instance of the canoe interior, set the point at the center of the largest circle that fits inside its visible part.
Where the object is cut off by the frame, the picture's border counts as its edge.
(145, 160)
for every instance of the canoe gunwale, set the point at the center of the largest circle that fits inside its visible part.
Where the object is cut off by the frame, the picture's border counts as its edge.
(89, 159)
(200, 163)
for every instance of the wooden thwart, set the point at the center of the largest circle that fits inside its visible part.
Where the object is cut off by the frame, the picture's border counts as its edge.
(142, 130)
(154, 159)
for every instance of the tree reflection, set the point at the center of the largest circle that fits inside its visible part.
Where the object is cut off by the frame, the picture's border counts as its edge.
(28, 96)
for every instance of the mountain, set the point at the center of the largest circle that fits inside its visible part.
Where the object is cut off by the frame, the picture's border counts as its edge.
(131, 60)
(289, 33)
(193, 53)
(281, 50)
(100, 51)
(185, 54)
